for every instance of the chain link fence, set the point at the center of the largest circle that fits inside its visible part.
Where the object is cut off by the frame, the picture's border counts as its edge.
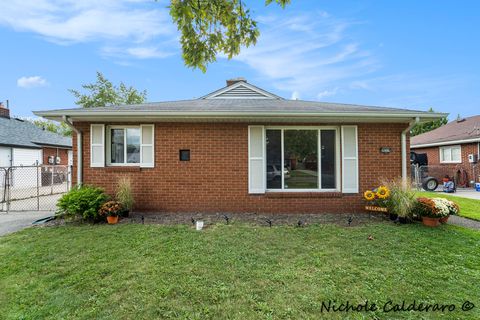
(33, 188)
(431, 177)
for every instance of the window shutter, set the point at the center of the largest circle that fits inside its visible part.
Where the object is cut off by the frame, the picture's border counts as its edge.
(97, 145)
(147, 150)
(256, 159)
(349, 159)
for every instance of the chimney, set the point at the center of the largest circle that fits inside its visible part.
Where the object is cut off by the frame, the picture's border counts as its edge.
(235, 80)
(4, 111)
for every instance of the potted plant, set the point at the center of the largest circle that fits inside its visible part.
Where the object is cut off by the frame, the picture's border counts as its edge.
(453, 209)
(124, 195)
(431, 211)
(401, 200)
(111, 210)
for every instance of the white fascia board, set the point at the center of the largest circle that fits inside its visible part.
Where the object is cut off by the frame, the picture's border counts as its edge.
(231, 114)
(444, 143)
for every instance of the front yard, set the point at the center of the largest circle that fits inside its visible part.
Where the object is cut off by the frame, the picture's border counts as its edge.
(469, 208)
(236, 271)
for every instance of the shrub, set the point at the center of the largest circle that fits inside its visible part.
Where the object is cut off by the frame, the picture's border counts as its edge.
(110, 209)
(402, 198)
(433, 208)
(83, 201)
(124, 193)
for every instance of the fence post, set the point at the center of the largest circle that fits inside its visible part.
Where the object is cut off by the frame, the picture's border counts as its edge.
(38, 187)
(7, 186)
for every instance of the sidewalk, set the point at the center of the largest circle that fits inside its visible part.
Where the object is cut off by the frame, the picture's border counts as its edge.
(464, 222)
(14, 221)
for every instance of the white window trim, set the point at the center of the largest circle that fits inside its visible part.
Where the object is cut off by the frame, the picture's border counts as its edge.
(319, 146)
(440, 150)
(109, 146)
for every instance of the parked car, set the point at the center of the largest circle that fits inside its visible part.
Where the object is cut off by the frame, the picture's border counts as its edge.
(273, 172)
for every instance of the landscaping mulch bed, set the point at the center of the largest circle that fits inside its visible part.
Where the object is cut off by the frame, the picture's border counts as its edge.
(258, 219)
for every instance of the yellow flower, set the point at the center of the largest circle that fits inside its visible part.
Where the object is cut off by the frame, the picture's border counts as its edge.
(383, 192)
(369, 195)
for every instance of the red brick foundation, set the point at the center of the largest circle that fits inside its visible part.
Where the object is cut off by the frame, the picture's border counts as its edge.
(216, 179)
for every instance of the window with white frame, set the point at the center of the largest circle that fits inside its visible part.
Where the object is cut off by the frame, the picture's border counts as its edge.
(302, 158)
(451, 154)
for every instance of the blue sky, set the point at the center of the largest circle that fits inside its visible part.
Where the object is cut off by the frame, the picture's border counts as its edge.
(412, 54)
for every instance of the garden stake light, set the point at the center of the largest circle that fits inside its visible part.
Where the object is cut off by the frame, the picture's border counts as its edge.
(143, 220)
(193, 220)
(269, 222)
(350, 219)
(227, 218)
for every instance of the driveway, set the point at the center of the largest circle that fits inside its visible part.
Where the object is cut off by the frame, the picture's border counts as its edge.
(14, 221)
(463, 192)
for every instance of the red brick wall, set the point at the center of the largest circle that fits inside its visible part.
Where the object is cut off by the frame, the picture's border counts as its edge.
(62, 153)
(216, 178)
(433, 153)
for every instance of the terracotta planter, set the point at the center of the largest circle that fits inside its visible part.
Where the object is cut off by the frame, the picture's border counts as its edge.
(112, 219)
(444, 219)
(430, 222)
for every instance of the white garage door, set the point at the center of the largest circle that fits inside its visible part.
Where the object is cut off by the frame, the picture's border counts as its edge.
(27, 176)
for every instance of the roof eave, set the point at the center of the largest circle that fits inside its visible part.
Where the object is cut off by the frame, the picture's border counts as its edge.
(206, 115)
(444, 143)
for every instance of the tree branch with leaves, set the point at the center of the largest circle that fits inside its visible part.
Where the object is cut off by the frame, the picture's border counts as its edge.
(104, 93)
(212, 27)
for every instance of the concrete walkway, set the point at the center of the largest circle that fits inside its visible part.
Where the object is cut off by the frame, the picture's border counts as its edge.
(464, 222)
(14, 221)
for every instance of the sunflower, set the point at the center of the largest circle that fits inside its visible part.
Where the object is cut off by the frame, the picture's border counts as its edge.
(369, 195)
(383, 192)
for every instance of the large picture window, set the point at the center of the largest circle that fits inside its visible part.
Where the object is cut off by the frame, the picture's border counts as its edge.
(301, 159)
(124, 145)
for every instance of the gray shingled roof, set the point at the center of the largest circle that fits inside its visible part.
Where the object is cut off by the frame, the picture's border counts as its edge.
(239, 105)
(465, 129)
(16, 132)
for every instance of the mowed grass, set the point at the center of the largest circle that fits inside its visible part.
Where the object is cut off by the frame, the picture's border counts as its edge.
(469, 208)
(239, 271)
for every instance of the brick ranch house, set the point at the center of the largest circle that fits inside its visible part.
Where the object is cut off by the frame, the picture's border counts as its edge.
(241, 149)
(454, 147)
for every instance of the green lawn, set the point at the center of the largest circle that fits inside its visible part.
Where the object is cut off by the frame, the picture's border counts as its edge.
(133, 271)
(469, 208)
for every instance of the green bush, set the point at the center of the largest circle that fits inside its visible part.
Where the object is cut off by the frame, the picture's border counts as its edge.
(84, 202)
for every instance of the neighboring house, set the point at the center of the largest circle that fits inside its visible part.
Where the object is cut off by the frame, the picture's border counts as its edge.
(24, 144)
(242, 149)
(455, 146)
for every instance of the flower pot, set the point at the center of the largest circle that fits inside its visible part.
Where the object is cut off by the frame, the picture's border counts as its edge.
(430, 222)
(112, 219)
(125, 213)
(444, 219)
(403, 220)
(393, 216)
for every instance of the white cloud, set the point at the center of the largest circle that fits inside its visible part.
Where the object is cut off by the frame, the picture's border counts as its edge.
(295, 95)
(109, 22)
(31, 82)
(327, 93)
(307, 53)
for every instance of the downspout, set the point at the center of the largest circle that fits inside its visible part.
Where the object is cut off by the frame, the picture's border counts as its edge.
(79, 149)
(404, 149)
